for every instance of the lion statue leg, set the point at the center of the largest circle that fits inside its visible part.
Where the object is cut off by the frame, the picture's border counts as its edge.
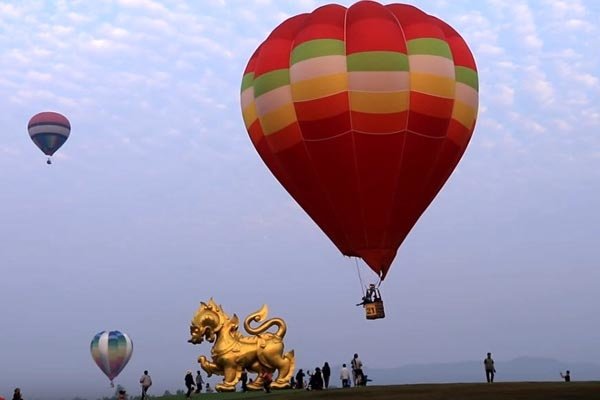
(231, 376)
(210, 367)
(285, 366)
(257, 384)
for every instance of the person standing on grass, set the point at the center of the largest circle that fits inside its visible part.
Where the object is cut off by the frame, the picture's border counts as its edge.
(199, 382)
(244, 379)
(145, 382)
(267, 378)
(316, 380)
(189, 384)
(345, 376)
(300, 379)
(326, 371)
(17, 394)
(566, 376)
(357, 372)
(490, 369)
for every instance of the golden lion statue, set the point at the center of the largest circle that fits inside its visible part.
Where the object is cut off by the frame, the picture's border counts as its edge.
(233, 352)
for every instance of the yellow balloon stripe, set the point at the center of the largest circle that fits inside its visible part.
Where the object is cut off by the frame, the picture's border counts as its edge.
(320, 87)
(432, 85)
(278, 119)
(464, 114)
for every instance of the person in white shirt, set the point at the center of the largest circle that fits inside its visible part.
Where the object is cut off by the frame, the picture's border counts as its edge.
(146, 382)
(357, 372)
(345, 376)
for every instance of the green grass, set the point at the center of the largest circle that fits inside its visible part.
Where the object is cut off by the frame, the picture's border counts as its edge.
(458, 391)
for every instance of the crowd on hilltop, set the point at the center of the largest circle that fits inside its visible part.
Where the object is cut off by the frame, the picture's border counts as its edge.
(319, 379)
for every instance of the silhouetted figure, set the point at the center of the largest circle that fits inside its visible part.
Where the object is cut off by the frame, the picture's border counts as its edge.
(490, 370)
(199, 382)
(326, 374)
(122, 395)
(316, 380)
(17, 394)
(372, 295)
(300, 379)
(208, 389)
(566, 376)
(267, 378)
(145, 382)
(293, 383)
(345, 376)
(357, 372)
(189, 383)
(244, 379)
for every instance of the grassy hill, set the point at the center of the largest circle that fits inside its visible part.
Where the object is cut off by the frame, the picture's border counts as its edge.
(458, 391)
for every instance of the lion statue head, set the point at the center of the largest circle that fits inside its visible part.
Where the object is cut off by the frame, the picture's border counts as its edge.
(207, 322)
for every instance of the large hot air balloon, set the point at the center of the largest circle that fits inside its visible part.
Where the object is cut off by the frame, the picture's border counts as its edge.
(49, 131)
(111, 350)
(362, 114)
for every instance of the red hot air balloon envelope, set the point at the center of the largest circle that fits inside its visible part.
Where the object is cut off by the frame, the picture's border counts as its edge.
(49, 131)
(362, 114)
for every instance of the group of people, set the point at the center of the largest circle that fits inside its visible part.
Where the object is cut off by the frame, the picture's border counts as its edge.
(195, 385)
(319, 379)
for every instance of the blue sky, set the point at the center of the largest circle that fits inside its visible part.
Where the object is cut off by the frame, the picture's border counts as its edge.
(159, 201)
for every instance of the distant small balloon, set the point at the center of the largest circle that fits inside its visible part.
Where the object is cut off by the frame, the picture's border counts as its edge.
(111, 350)
(49, 131)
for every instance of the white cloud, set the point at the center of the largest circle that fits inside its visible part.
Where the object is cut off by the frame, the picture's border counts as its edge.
(78, 18)
(490, 49)
(115, 32)
(524, 24)
(561, 124)
(9, 11)
(39, 76)
(539, 85)
(579, 25)
(503, 94)
(526, 122)
(509, 65)
(591, 115)
(588, 80)
(147, 5)
(564, 8)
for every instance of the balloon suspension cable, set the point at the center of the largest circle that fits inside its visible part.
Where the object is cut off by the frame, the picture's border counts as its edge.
(362, 286)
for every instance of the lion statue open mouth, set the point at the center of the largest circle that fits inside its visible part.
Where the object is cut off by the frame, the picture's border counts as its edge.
(233, 352)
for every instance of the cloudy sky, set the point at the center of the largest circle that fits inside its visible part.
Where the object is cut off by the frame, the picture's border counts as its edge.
(159, 201)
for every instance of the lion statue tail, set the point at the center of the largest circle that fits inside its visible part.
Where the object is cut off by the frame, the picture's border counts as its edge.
(260, 316)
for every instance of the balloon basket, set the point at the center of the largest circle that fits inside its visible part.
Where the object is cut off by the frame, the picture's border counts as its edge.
(374, 310)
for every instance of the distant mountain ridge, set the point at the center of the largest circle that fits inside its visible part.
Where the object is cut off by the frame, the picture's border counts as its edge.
(518, 369)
